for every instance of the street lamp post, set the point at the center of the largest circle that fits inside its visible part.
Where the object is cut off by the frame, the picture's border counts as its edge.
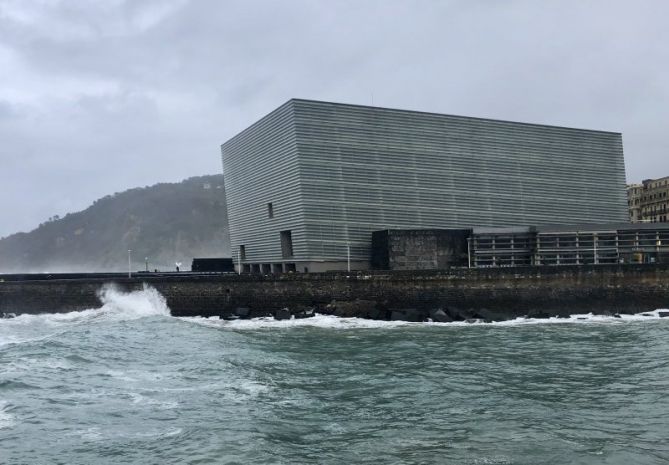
(129, 264)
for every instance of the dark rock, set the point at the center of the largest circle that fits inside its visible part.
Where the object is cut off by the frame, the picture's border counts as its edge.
(376, 314)
(302, 315)
(616, 315)
(490, 315)
(282, 314)
(356, 308)
(258, 313)
(414, 314)
(243, 312)
(535, 313)
(305, 312)
(663, 314)
(330, 308)
(397, 315)
(459, 314)
(562, 313)
(440, 316)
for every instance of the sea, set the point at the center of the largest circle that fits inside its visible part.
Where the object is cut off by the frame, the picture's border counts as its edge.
(127, 383)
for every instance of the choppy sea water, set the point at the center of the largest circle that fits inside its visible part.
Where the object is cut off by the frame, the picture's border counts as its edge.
(128, 383)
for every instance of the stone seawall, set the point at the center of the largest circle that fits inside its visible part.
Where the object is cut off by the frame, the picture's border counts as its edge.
(494, 293)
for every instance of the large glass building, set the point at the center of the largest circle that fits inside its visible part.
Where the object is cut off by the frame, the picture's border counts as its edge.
(307, 184)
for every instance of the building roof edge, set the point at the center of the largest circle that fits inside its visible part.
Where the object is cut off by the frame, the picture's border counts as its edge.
(476, 118)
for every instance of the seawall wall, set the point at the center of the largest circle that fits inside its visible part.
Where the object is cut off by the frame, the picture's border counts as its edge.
(507, 292)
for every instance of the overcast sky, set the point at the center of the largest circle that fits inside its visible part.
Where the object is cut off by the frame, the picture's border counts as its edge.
(100, 96)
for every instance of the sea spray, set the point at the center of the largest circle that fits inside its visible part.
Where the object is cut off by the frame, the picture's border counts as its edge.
(134, 304)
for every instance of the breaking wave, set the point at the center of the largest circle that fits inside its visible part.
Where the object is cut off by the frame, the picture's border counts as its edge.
(117, 305)
(133, 305)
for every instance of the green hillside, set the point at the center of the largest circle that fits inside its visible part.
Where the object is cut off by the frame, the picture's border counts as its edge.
(165, 223)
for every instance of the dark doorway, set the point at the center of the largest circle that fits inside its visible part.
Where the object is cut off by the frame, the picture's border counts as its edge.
(286, 244)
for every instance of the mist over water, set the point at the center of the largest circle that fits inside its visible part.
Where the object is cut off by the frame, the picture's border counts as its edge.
(128, 383)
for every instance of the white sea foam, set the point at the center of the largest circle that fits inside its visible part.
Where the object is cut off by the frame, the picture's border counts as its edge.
(116, 306)
(585, 318)
(28, 365)
(121, 375)
(140, 399)
(337, 323)
(252, 388)
(6, 418)
(7, 338)
(89, 434)
(318, 321)
(156, 433)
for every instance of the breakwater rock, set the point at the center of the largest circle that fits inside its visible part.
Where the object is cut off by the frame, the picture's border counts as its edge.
(491, 294)
(372, 310)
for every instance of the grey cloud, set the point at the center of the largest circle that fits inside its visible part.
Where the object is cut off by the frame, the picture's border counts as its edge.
(105, 96)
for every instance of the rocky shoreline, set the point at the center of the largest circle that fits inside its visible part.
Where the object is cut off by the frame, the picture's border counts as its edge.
(372, 310)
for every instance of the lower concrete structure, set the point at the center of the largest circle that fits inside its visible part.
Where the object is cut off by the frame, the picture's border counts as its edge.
(203, 265)
(420, 249)
(538, 245)
(571, 245)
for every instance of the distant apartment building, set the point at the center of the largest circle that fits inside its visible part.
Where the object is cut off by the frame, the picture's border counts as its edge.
(648, 202)
(634, 202)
